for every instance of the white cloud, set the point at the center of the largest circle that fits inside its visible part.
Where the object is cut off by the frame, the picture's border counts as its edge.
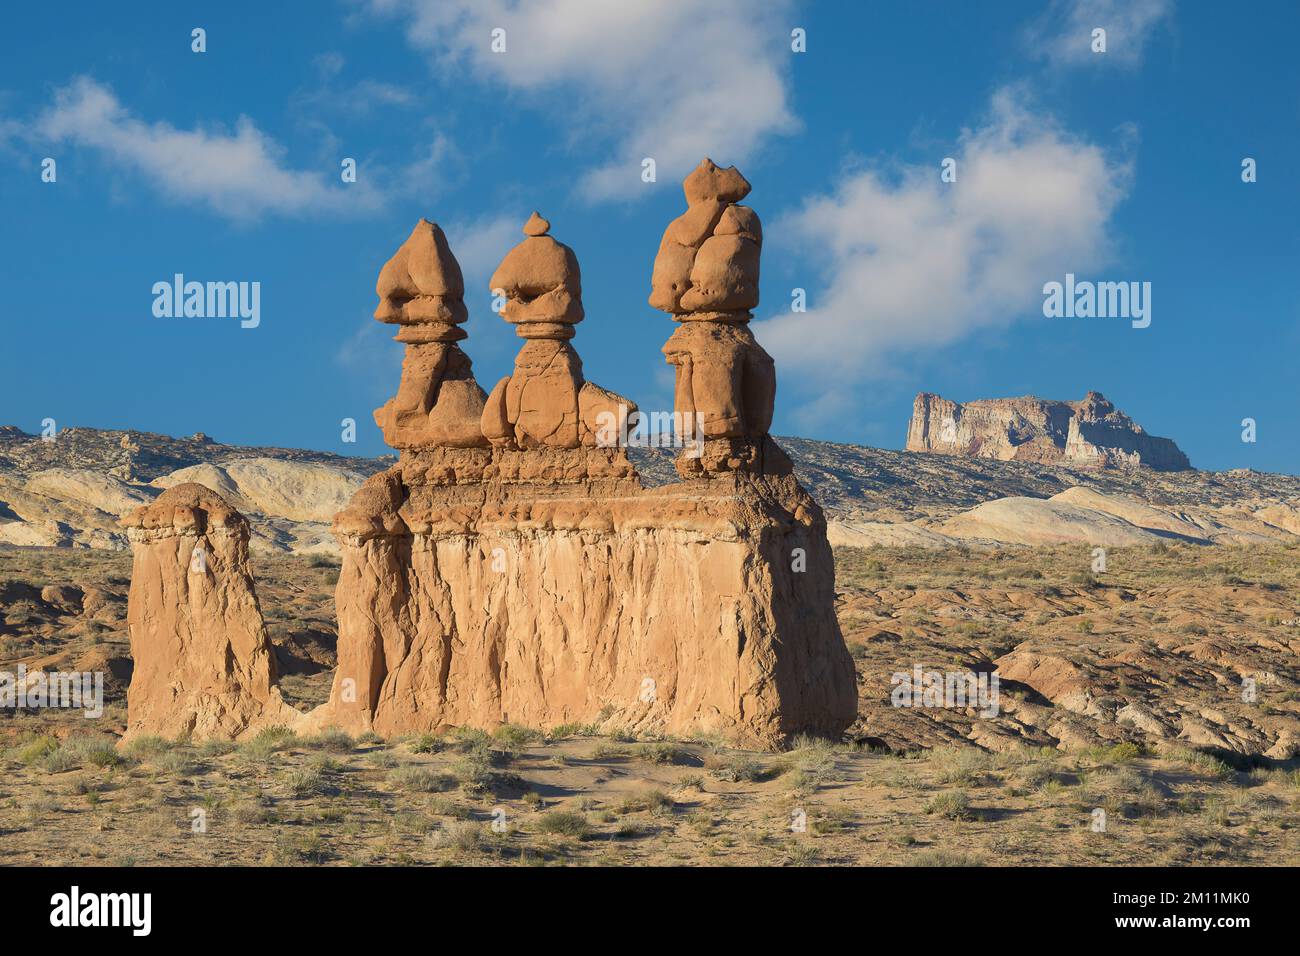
(480, 245)
(238, 175)
(914, 263)
(658, 78)
(1063, 34)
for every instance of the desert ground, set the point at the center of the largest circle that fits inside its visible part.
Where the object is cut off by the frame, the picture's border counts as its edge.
(1130, 703)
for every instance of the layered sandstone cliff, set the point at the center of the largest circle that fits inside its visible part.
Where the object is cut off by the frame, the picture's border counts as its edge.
(1092, 432)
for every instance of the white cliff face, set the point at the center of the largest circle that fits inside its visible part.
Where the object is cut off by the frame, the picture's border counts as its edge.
(1090, 433)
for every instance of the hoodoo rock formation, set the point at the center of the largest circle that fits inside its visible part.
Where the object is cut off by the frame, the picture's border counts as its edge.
(546, 402)
(706, 277)
(438, 401)
(1091, 433)
(519, 571)
(203, 662)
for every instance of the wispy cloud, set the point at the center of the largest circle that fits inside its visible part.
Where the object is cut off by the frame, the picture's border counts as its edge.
(240, 175)
(649, 78)
(913, 263)
(1063, 34)
(355, 97)
(480, 245)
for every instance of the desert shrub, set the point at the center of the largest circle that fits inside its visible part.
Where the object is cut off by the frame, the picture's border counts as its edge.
(251, 812)
(292, 849)
(665, 753)
(467, 739)
(93, 750)
(1199, 761)
(419, 779)
(951, 805)
(38, 808)
(965, 766)
(427, 744)
(464, 836)
(267, 742)
(1037, 776)
(35, 751)
(147, 746)
(735, 768)
(382, 759)
(215, 748)
(801, 853)
(692, 781)
(310, 782)
(653, 801)
(834, 819)
(572, 730)
(1114, 753)
(476, 774)
(563, 823)
(513, 737)
(945, 858)
(86, 785)
(333, 740)
(177, 763)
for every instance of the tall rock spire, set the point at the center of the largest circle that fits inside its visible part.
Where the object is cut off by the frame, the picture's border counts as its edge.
(438, 401)
(706, 277)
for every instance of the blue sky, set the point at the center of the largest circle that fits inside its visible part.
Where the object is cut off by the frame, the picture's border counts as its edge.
(224, 166)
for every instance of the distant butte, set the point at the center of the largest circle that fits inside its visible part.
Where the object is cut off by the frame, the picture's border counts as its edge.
(1090, 433)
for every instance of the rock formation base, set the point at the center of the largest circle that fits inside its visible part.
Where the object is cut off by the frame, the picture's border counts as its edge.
(583, 598)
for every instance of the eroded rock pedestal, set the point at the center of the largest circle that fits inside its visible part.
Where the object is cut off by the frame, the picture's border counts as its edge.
(706, 277)
(474, 592)
(203, 663)
(537, 582)
(511, 567)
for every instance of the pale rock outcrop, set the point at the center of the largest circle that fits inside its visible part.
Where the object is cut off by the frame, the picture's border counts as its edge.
(297, 490)
(203, 663)
(1090, 433)
(1038, 521)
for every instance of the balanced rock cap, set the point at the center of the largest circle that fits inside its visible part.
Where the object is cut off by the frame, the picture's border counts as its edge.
(187, 506)
(536, 225)
(541, 281)
(710, 181)
(422, 282)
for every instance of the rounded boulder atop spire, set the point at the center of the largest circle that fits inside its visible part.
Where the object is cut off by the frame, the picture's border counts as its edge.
(710, 181)
(536, 225)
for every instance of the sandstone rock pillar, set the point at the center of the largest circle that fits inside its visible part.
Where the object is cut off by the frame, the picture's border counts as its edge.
(546, 402)
(706, 277)
(438, 401)
(203, 664)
